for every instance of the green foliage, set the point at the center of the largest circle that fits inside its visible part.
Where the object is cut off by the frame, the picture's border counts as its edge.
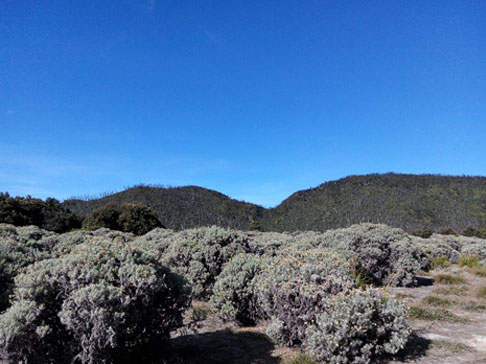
(48, 214)
(234, 294)
(296, 287)
(471, 231)
(429, 314)
(410, 202)
(129, 217)
(447, 231)
(469, 260)
(423, 233)
(439, 262)
(179, 208)
(401, 200)
(103, 302)
(358, 328)
(449, 279)
(256, 226)
(138, 219)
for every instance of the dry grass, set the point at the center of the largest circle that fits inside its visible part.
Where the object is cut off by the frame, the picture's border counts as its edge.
(451, 291)
(439, 262)
(437, 301)
(481, 293)
(479, 271)
(300, 359)
(429, 314)
(452, 347)
(469, 261)
(449, 279)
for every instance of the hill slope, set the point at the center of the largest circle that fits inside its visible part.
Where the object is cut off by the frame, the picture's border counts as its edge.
(407, 201)
(180, 207)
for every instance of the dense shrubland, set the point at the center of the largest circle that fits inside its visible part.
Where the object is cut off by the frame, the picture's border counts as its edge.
(103, 302)
(107, 296)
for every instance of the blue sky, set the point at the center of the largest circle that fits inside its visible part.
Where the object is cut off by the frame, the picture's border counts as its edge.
(255, 99)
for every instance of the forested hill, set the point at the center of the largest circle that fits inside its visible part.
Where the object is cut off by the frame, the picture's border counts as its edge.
(408, 201)
(179, 207)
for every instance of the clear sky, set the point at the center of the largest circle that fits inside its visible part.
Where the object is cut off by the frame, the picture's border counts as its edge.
(255, 99)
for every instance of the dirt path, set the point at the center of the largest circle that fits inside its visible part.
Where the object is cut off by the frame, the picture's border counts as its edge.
(446, 341)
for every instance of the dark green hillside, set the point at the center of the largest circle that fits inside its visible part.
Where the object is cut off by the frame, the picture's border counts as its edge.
(180, 207)
(407, 201)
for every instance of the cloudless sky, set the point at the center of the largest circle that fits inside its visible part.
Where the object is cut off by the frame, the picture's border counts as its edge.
(255, 99)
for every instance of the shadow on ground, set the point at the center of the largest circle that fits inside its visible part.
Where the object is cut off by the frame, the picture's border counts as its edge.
(416, 348)
(223, 347)
(425, 281)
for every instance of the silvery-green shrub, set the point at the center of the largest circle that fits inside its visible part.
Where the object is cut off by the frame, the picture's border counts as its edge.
(103, 302)
(199, 255)
(386, 255)
(19, 247)
(358, 327)
(297, 286)
(234, 294)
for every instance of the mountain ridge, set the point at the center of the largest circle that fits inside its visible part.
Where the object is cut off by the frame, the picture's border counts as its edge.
(408, 201)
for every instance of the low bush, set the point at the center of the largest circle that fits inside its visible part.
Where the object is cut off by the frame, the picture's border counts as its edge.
(358, 328)
(441, 246)
(296, 287)
(447, 231)
(387, 256)
(129, 217)
(471, 231)
(423, 233)
(474, 246)
(19, 247)
(199, 255)
(48, 214)
(234, 294)
(103, 302)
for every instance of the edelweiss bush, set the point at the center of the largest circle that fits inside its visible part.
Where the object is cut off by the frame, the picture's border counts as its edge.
(103, 302)
(357, 327)
(296, 287)
(385, 255)
(199, 255)
(234, 294)
(19, 247)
